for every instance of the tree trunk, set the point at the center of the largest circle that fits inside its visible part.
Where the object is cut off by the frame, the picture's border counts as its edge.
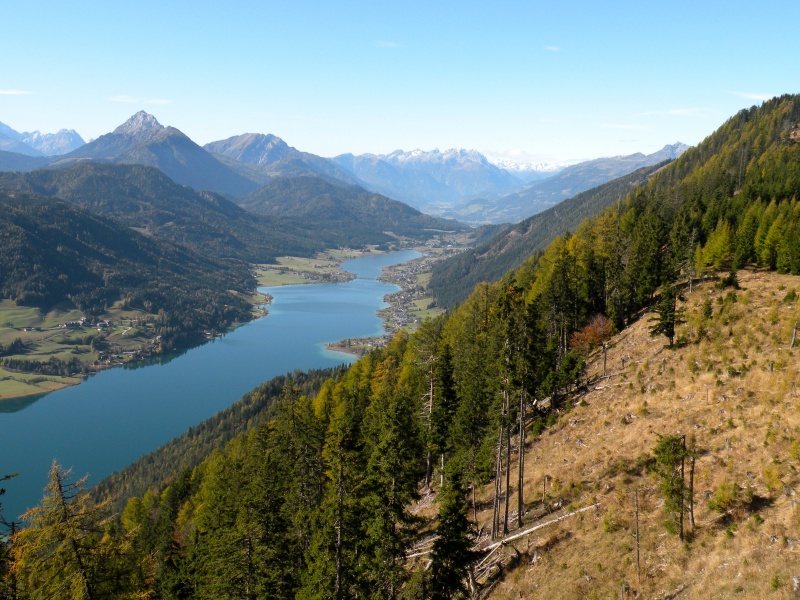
(683, 483)
(508, 474)
(521, 458)
(428, 459)
(691, 493)
(498, 467)
(339, 518)
(636, 507)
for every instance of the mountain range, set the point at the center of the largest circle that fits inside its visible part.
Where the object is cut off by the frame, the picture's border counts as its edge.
(456, 183)
(431, 181)
(35, 143)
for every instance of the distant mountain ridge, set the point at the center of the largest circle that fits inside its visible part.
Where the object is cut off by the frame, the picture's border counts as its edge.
(431, 180)
(529, 172)
(265, 155)
(570, 181)
(143, 140)
(35, 143)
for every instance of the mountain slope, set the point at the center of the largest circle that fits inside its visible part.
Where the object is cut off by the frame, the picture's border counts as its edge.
(54, 253)
(144, 198)
(739, 415)
(143, 140)
(341, 214)
(269, 156)
(452, 280)
(14, 161)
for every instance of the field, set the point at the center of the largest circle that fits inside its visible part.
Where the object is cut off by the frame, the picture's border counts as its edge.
(324, 268)
(59, 334)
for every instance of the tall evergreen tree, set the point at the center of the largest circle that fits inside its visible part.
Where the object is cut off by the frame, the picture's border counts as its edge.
(55, 556)
(667, 314)
(452, 554)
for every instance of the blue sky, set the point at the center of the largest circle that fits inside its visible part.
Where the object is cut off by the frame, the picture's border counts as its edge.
(532, 80)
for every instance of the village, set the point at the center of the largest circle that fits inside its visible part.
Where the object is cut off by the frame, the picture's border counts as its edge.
(409, 306)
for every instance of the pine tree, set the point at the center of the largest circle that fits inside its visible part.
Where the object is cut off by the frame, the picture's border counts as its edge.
(452, 555)
(667, 315)
(670, 453)
(56, 555)
(7, 531)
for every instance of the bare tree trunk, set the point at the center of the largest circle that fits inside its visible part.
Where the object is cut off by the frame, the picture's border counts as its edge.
(498, 467)
(474, 506)
(691, 492)
(428, 459)
(794, 336)
(636, 506)
(339, 518)
(544, 488)
(683, 480)
(508, 473)
(521, 458)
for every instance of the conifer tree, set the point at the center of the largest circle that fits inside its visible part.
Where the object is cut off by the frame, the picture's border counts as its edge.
(667, 314)
(7, 531)
(452, 555)
(55, 556)
(670, 453)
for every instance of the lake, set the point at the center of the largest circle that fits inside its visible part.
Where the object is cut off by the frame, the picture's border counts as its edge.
(118, 415)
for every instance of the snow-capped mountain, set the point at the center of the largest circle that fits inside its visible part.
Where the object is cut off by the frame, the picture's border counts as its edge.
(54, 144)
(35, 143)
(528, 171)
(431, 180)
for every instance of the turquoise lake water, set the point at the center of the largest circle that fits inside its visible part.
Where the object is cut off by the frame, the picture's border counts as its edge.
(120, 414)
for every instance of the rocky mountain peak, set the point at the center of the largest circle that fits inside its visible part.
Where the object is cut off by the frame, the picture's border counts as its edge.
(141, 122)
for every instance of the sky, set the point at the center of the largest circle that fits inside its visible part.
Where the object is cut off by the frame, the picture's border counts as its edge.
(523, 80)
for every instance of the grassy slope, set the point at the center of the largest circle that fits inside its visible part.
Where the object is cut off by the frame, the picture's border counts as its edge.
(734, 390)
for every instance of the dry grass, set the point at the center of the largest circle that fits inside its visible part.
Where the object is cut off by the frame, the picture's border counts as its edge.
(732, 386)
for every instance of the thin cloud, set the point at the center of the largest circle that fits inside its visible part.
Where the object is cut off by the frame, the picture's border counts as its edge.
(753, 96)
(553, 48)
(15, 93)
(387, 44)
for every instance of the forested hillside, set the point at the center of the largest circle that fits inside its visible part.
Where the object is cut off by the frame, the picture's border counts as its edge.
(341, 214)
(186, 451)
(55, 253)
(374, 487)
(453, 279)
(144, 198)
